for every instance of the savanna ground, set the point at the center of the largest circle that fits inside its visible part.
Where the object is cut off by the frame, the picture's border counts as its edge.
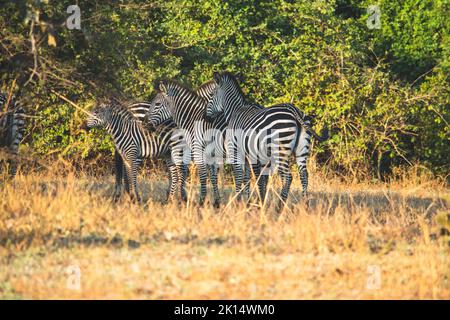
(62, 237)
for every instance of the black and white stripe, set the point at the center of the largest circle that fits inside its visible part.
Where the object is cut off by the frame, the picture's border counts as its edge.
(139, 111)
(133, 142)
(261, 137)
(12, 128)
(201, 139)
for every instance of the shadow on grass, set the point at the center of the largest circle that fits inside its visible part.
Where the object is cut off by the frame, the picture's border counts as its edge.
(75, 238)
(374, 202)
(379, 205)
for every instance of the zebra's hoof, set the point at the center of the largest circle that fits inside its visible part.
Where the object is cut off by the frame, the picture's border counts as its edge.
(216, 204)
(279, 208)
(136, 199)
(167, 197)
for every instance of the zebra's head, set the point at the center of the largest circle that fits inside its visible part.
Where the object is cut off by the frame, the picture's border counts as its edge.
(161, 106)
(226, 95)
(99, 116)
(215, 106)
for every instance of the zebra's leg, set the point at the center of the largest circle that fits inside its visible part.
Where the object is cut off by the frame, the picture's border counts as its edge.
(304, 179)
(246, 180)
(286, 177)
(238, 176)
(263, 186)
(202, 174)
(13, 161)
(178, 190)
(213, 177)
(171, 177)
(182, 181)
(199, 159)
(126, 177)
(131, 166)
(12, 165)
(135, 184)
(262, 181)
(301, 156)
(118, 170)
(177, 157)
(173, 180)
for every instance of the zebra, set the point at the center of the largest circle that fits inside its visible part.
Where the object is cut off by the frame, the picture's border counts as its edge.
(187, 108)
(12, 128)
(257, 136)
(133, 142)
(139, 111)
(179, 172)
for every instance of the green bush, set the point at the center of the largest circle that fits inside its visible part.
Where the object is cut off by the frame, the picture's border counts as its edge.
(383, 92)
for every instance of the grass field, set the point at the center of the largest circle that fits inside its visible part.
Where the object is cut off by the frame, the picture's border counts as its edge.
(62, 237)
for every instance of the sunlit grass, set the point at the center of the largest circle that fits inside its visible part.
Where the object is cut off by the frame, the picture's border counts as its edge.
(345, 241)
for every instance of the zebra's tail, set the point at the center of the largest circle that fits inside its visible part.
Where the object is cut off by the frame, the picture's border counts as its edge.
(305, 121)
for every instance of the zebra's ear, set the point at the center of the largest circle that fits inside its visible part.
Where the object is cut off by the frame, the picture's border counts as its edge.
(216, 77)
(162, 86)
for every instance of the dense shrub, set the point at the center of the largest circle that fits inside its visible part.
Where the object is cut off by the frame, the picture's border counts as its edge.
(383, 92)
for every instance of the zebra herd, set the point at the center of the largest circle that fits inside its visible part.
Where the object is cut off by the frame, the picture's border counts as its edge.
(210, 126)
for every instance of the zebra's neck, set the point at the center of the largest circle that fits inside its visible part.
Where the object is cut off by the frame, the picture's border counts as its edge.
(206, 90)
(128, 133)
(120, 129)
(189, 108)
(116, 127)
(233, 103)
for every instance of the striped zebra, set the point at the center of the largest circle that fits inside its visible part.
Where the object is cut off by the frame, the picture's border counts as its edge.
(178, 172)
(134, 143)
(201, 138)
(261, 137)
(12, 128)
(139, 111)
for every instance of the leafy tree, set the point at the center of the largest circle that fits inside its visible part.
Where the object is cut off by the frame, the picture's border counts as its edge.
(384, 92)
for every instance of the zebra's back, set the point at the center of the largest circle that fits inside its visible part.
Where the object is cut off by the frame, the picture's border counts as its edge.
(139, 109)
(155, 141)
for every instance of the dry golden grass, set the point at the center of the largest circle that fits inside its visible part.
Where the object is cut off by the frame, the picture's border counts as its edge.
(357, 241)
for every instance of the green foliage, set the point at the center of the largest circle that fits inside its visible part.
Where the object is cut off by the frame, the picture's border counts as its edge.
(414, 36)
(384, 92)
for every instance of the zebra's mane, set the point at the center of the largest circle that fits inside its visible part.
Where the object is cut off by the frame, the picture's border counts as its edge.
(232, 78)
(175, 83)
(181, 88)
(205, 85)
(184, 88)
(120, 108)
